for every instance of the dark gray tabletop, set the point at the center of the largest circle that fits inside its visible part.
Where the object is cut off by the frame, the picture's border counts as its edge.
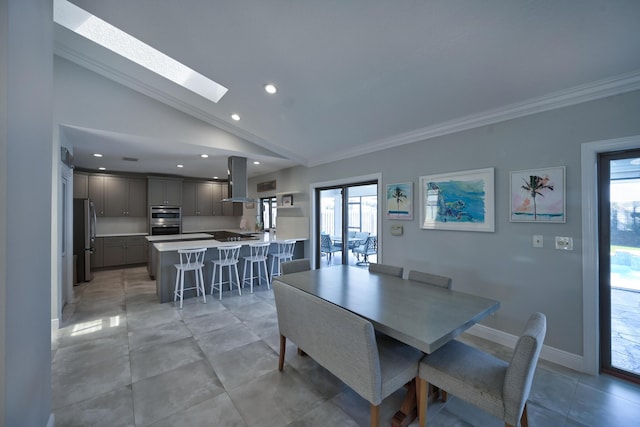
(423, 316)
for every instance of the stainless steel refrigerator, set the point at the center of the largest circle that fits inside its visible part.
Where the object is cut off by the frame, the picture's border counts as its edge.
(84, 236)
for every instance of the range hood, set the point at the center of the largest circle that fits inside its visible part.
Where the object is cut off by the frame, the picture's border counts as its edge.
(238, 180)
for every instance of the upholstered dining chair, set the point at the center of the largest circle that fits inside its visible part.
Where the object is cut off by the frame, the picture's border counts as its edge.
(430, 279)
(391, 270)
(296, 265)
(498, 387)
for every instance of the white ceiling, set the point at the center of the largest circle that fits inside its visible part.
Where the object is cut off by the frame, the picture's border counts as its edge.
(360, 75)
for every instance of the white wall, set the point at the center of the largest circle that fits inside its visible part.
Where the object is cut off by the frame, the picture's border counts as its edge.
(26, 34)
(502, 265)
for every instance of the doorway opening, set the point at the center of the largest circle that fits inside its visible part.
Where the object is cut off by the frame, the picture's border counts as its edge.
(619, 262)
(268, 212)
(347, 224)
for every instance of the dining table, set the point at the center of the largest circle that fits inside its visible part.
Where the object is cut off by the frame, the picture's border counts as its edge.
(415, 313)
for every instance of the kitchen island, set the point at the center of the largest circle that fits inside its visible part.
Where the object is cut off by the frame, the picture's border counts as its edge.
(166, 255)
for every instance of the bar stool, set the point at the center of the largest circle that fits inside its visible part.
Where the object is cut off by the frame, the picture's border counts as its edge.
(284, 253)
(258, 253)
(190, 260)
(227, 257)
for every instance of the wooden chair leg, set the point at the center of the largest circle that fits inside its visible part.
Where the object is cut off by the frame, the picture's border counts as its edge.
(524, 419)
(423, 397)
(444, 395)
(375, 415)
(283, 347)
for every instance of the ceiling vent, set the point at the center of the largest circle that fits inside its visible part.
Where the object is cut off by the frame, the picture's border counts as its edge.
(130, 159)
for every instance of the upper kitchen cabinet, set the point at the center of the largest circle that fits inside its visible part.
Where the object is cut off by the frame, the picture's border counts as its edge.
(117, 196)
(163, 191)
(80, 185)
(197, 198)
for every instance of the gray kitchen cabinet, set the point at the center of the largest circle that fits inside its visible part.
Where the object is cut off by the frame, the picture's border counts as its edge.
(80, 185)
(219, 193)
(114, 251)
(164, 192)
(197, 198)
(97, 257)
(96, 193)
(228, 208)
(118, 196)
(137, 197)
(136, 250)
(124, 250)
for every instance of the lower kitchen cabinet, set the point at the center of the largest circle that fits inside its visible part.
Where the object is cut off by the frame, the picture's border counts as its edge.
(97, 257)
(126, 250)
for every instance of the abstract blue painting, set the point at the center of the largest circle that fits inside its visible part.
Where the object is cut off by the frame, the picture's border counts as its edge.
(458, 201)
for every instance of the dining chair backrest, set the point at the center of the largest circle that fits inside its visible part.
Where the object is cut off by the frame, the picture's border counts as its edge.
(296, 266)
(340, 341)
(228, 255)
(391, 270)
(191, 259)
(430, 279)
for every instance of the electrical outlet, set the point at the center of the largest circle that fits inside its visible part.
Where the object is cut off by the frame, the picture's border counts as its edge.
(564, 243)
(537, 241)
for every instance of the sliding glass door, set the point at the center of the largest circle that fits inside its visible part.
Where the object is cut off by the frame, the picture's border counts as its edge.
(347, 224)
(619, 265)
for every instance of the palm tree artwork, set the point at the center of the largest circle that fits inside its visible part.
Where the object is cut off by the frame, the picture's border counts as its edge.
(399, 197)
(534, 187)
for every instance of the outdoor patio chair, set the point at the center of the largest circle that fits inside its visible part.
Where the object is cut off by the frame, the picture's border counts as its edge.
(327, 246)
(370, 247)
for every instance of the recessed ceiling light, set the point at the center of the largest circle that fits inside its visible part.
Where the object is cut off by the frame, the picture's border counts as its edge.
(180, 166)
(235, 117)
(97, 155)
(256, 163)
(204, 156)
(215, 177)
(102, 169)
(270, 88)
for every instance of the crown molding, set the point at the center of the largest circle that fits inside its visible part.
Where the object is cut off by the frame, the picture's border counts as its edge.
(573, 96)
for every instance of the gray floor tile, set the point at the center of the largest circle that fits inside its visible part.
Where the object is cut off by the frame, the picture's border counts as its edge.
(153, 335)
(202, 325)
(75, 383)
(218, 411)
(163, 395)
(160, 358)
(325, 414)
(596, 408)
(274, 399)
(154, 318)
(244, 364)
(112, 409)
(223, 340)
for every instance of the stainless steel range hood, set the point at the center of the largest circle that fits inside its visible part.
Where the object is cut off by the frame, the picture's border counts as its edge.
(238, 181)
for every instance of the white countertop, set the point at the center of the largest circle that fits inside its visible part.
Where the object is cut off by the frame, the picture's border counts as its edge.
(170, 237)
(212, 243)
(122, 234)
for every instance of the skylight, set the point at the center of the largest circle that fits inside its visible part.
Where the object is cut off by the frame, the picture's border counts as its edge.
(95, 29)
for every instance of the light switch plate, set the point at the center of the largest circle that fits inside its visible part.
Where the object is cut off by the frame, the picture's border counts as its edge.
(564, 243)
(397, 230)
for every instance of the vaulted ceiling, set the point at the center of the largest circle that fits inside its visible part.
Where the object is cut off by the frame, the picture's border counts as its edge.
(361, 75)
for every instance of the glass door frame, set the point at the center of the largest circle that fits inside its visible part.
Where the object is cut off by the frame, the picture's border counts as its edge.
(315, 207)
(604, 262)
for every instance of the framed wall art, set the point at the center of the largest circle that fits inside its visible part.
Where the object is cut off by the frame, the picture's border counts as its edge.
(400, 201)
(458, 201)
(537, 195)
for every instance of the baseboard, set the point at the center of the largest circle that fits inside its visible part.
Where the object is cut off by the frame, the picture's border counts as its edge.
(550, 354)
(52, 420)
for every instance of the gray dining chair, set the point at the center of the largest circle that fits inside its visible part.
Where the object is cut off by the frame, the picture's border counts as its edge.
(430, 279)
(391, 270)
(498, 387)
(345, 344)
(296, 265)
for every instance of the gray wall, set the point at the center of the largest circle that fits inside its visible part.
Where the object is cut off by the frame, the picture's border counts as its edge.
(26, 56)
(502, 265)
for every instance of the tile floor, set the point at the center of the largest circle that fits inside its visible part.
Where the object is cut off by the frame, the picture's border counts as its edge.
(122, 359)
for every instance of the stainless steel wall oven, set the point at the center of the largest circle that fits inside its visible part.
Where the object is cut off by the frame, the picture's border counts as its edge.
(165, 220)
